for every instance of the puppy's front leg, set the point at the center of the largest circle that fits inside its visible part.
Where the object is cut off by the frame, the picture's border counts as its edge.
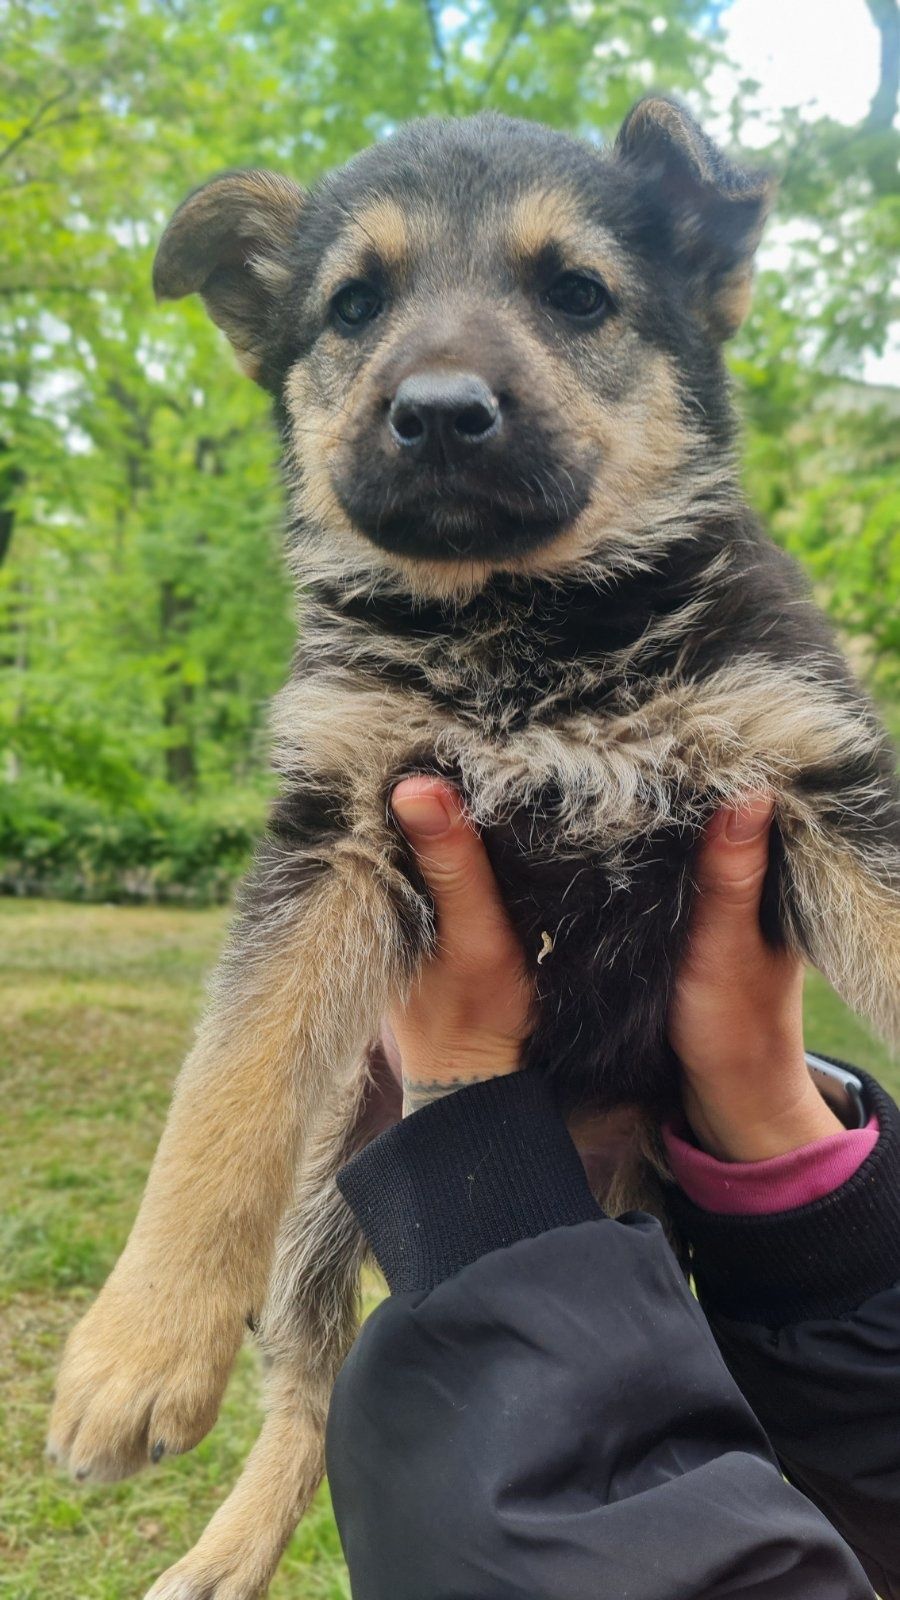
(300, 992)
(309, 1323)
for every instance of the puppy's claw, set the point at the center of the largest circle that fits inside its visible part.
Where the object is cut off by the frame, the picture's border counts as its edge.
(125, 1398)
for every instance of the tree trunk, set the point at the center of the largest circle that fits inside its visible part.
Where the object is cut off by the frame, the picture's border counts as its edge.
(181, 764)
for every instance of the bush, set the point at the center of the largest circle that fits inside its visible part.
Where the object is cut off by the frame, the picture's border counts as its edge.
(62, 843)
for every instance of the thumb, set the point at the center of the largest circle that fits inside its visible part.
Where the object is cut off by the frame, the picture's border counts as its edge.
(731, 870)
(453, 861)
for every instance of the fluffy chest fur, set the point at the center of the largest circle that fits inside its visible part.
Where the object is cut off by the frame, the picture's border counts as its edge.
(602, 715)
(593, 734)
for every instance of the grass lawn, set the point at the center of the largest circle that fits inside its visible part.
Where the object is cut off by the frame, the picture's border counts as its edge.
(98, 1004)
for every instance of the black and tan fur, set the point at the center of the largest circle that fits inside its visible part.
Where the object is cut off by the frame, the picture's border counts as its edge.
(582, 625)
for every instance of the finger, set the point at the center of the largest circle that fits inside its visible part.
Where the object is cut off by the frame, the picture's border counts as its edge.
(731, 870)
(453, 861)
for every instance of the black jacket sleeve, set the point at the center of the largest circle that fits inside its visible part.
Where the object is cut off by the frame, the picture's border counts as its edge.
(540, 1411)
(805, 1306)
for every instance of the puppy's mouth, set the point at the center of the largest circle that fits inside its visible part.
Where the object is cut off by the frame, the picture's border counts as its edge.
(454, 517)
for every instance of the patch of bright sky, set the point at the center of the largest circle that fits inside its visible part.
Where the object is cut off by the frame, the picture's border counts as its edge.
(819, 55)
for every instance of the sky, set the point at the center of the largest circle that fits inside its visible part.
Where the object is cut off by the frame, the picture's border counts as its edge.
(819, 54)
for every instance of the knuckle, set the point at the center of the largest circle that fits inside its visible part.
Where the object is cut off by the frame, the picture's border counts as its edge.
(451, 883)
(738, 886)
(745, 888)
(475, 963)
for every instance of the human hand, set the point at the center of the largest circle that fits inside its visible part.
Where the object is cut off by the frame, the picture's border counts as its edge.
(469, 1012)
(736, 1022)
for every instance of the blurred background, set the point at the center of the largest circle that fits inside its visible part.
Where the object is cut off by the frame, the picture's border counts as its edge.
(144, 612)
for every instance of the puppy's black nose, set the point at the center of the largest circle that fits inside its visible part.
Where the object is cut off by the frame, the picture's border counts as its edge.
(443, 416)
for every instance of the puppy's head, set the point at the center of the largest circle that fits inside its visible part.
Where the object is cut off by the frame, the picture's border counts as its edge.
(495, 347)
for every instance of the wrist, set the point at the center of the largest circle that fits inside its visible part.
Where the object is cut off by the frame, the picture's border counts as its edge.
(744, 1126)
(428, 1080)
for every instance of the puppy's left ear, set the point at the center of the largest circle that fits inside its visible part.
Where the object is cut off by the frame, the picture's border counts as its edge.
(716, 209)
(230, 241)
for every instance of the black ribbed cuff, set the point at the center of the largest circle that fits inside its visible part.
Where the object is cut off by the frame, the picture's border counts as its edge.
(473, 1172)
(822, 1260)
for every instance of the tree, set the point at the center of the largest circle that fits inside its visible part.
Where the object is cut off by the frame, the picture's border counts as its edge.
(144, 613)
(824, 456)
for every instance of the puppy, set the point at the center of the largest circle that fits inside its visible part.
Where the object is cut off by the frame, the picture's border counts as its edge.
(524, 562)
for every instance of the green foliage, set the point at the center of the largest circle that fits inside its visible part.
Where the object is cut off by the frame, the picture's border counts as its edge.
(144, 610)
(165, 846)
(823, 447)
(98, 1005)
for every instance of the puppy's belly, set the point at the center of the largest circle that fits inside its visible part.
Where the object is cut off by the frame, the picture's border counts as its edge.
(603, 934)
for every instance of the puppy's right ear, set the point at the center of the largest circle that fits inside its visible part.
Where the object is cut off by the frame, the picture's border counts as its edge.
(230, 242)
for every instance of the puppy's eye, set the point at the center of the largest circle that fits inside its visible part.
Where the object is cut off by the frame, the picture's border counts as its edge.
(356, 304)
(577, 294)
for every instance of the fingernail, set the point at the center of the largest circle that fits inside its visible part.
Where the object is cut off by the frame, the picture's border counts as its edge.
(747, 822)
(423, 815)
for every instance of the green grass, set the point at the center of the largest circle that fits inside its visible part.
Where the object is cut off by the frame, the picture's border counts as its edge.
(98, 1004)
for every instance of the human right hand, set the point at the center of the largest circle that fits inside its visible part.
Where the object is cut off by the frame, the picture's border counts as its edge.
(736, 1022)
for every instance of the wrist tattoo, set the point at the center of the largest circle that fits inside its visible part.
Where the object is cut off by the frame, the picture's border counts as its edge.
(418, 1093)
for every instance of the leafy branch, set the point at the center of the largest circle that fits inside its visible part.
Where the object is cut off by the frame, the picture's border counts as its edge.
(36, 122)
(432, 13)
(502, 56)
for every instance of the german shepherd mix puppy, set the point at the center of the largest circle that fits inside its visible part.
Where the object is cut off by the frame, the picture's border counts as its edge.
(524, 562)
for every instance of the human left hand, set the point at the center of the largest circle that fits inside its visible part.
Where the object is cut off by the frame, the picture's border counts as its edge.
(470, 1010)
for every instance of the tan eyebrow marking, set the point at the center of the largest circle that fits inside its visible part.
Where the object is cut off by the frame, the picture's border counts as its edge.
(552, 218)
(382, 228)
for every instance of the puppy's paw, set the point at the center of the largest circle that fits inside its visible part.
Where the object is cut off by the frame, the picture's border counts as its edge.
(217, 1570)
(142, 1376)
